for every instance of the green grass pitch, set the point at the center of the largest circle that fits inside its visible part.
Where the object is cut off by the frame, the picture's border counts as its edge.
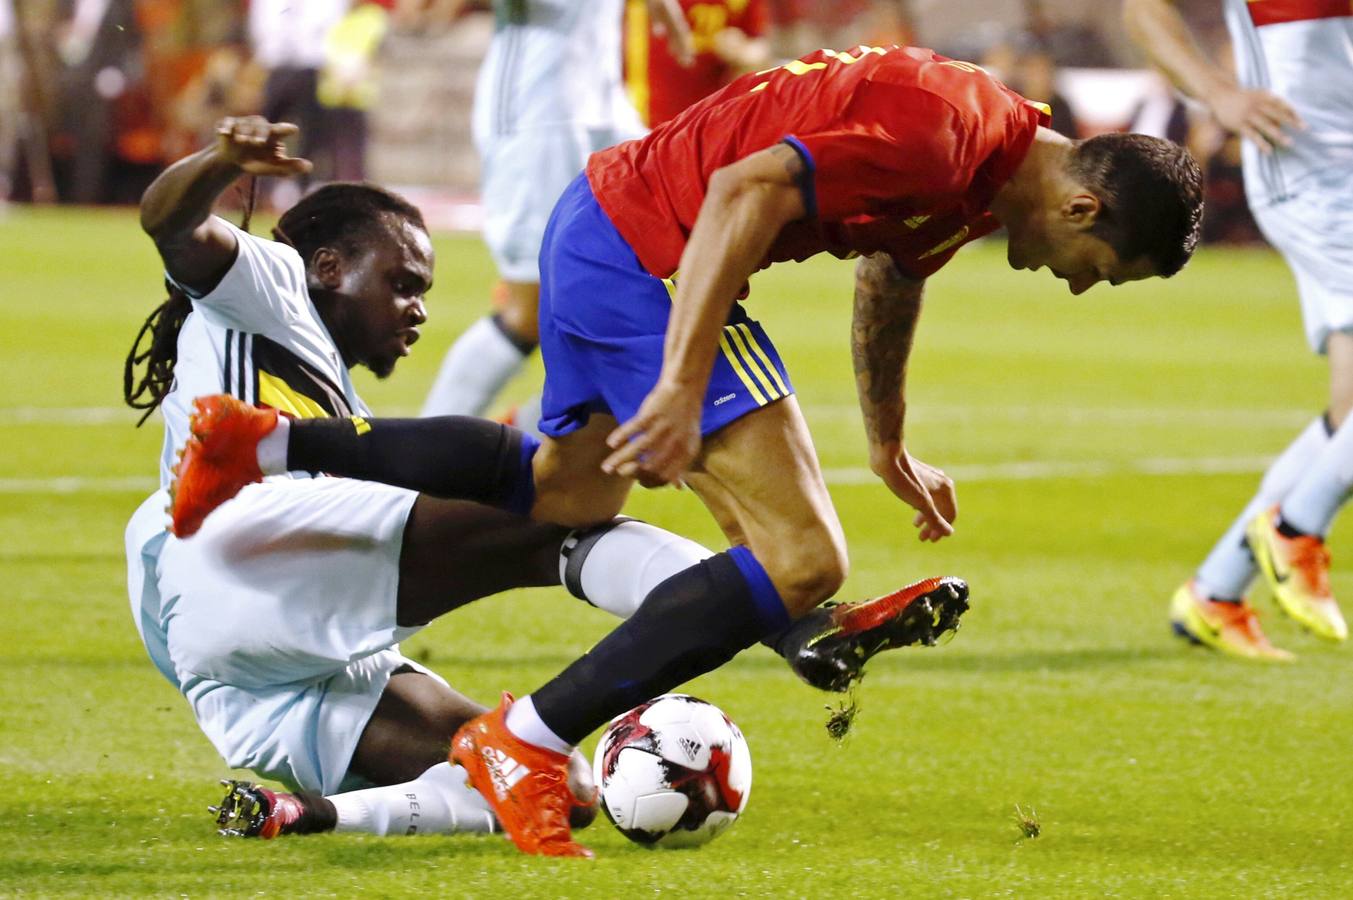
(1100, 444)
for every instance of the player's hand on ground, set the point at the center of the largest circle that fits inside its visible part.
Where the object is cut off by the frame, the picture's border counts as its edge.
(662, 439)
(1258, 115)
(922, 486)
(669, 21)
(258, 146)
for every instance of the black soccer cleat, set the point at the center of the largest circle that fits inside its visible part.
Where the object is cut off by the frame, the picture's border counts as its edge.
(828, 647)
(244, 811)
(252, 811)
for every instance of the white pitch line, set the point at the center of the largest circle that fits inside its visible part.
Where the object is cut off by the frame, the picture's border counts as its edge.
(1047, 470)
(1027, 470)
(78, 484)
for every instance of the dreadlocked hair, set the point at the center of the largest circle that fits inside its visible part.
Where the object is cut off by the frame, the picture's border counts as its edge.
(341, 216)
(163, 326)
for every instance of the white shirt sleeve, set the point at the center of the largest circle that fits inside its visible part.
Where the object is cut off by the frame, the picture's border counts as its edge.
(264, 287)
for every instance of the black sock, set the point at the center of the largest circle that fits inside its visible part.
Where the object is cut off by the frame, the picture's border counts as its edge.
(456, 457)
(692, 623)
(524, 345)
(318, 814)
(1286, 530)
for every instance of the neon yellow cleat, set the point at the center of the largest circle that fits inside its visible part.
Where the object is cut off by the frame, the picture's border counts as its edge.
(1298, 573)
(1232, 628)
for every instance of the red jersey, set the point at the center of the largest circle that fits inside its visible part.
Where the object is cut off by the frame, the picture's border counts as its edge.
(905, 149)
(658, 85)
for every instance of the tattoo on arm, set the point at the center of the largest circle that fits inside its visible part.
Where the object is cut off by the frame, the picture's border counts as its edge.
(887, 305)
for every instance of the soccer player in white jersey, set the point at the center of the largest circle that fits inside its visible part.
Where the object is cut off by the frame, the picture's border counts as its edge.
(279, 621)
(550, 92)
(1291, 99)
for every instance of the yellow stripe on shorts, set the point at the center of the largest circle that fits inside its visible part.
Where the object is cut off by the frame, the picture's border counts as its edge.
(736, 363)
(761, 355)
(750, 362)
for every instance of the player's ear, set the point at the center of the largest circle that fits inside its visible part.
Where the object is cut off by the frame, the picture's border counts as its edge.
(326, 267)
(1081, 210)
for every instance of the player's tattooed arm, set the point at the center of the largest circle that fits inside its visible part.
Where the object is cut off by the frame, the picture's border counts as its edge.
(887, 306)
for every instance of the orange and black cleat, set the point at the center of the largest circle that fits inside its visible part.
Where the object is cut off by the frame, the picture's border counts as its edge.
(526, 785)
(828, 647)
(219, 458)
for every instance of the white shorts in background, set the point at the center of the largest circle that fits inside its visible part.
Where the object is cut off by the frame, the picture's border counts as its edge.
(278, 621)
(1313, 230)
(524, 172)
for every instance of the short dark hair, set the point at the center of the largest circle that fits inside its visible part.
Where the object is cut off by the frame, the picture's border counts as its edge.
(343, 215)
(1151, 196)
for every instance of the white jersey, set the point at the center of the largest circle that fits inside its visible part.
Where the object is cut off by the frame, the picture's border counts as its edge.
(553, 62)
(257, 336)
(1302, 51)
(278, 620)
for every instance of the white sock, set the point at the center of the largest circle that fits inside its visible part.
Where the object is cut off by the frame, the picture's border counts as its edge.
(1314, 501)
(272, 448)
(475, 369)
(1228, 570)
(625, 564)
(437, 802)
(523, 721)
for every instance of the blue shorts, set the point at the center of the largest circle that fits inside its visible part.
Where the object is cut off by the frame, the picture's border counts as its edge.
(603, 322)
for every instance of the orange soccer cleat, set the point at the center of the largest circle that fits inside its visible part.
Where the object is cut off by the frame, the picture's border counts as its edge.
(219, 458)
(1232, 628)
(526, 785)
(1297, 570)
(828, 647)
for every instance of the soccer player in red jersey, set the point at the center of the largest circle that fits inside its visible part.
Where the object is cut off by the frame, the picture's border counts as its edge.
(729, 38)
(655, 372)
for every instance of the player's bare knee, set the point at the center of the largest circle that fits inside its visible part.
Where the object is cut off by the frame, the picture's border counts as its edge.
(520, 310)
(810, 571)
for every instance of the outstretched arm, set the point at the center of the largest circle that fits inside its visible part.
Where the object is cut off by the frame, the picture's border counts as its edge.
(198, 249)
(887, 306)
(669, 21)
(745, 207)
(1157, 27)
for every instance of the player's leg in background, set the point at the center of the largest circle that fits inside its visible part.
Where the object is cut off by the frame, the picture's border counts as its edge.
(1313, 502)
(1288, 539)
(487, 355)
(1225, 575)
(524, 172)
(1313, 232)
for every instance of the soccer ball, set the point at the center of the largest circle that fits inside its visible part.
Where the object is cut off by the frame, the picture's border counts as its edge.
(673, 772)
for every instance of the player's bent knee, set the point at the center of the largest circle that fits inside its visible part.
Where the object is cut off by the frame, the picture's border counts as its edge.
(810, 572)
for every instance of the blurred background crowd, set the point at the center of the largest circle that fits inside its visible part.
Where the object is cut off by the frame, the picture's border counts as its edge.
(96, 96)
